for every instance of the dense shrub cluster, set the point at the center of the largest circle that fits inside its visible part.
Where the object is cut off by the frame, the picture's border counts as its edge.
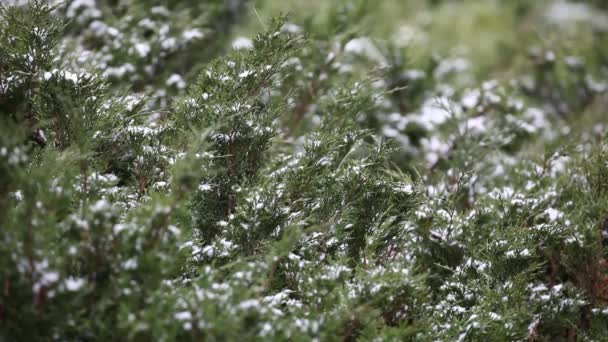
(163, 177)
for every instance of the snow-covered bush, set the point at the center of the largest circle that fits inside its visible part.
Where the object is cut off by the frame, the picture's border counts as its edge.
(322, 180)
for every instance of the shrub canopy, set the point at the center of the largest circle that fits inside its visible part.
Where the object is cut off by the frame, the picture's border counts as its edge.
(402, 170)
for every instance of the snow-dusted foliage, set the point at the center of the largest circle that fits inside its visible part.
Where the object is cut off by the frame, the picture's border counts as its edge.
(162, 178)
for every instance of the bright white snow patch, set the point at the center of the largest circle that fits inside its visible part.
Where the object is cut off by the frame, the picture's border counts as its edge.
(433, 113)
(291, 28)
(192, 34)
(100, 206)
(130, 264)
(246, 73)
(177, 81)
(405, 188)
(143, 49)
(553, 214)
(204, 187)
(74, 284)
(182, 315)
(242, 43)
(471, 98)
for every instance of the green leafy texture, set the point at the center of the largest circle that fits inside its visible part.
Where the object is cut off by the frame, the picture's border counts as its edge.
(418, 171)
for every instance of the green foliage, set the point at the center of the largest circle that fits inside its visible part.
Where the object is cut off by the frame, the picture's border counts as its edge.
(325, 180)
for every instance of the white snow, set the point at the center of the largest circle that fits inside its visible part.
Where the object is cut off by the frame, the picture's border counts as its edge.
(471, 98)
(204, 187)
(246, 73)
(183, 315)
(365, 47)
(291, 28)
(192, 34)
(404, 188)
(249, 304)
(100, 206)
(130, 264)
(553, 214)
(74, 284)
(452, 65)
(142, 49)
(242, 43)
(177, 81)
